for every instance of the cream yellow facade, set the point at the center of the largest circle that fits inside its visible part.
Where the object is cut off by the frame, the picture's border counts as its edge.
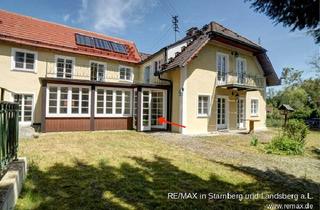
(23, 82)
(201, 79)
(198, 77)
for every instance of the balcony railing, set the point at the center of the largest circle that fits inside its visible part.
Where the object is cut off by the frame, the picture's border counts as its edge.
(240, 80)
(108, 76)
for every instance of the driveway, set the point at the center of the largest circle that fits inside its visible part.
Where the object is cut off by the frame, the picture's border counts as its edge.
(234, 150)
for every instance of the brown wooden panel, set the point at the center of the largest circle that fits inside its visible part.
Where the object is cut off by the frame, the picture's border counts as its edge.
(123, 123)
(67, 124)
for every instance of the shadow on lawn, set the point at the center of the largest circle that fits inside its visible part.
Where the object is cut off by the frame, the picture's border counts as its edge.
(145, 187)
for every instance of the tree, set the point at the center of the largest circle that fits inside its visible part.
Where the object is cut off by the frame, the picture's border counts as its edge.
(315, 64)
(297, 98)
(291, 76)
(297, 14)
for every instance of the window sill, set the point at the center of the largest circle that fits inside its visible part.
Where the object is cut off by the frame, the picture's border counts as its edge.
(67, 116)
(111, 116)
(24, 70)
(124, 80)
(202, 116)
(254, 115)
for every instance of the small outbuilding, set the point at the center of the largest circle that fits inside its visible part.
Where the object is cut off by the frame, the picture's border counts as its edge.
(285, 109)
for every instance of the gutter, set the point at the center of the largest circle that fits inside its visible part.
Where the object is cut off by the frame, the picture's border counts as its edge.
(169, 101)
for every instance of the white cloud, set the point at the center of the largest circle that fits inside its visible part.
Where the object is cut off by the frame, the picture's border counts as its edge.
(66, 17)
(113, 15)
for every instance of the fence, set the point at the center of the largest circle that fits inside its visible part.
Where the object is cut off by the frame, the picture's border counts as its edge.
(9, 133)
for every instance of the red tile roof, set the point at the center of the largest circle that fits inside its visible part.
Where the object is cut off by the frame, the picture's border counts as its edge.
(39, 33)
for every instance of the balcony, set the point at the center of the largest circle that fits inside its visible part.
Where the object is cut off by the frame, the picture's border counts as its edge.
(110, 75)
(240, 81)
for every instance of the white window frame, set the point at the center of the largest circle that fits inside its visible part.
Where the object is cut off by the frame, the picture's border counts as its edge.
(104, 114)
(144, 74)
(227, 66)
(64, 70)
(13, 66)
(254, 114)
(131, 73)
(227, 111)
(101, 63)
(69, 104)
(239, 59)
(200, 115)
(22, 110)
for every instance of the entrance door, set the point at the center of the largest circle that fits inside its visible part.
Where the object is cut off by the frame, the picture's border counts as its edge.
(25, 102)
(153, 107)
(221, 113)
(240, 113)
(146, 111)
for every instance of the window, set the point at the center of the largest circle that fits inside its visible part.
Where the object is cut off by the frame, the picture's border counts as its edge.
(97, 71)
(23, 60)
(203, 105)
(222, 66)
(113, 102)
(254, 107)
(68, 101)
(241, 69)
(109, 103)
(118, 102)
(64, 67)
(25, 102)
(147, 74)
(125, 73)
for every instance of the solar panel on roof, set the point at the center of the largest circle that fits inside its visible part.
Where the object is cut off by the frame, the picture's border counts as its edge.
(84, 40)
(100, 44)
(120, 48)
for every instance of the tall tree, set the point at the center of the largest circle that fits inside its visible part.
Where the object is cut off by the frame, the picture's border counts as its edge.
(291, 76)
(315, 64)
(296, 14)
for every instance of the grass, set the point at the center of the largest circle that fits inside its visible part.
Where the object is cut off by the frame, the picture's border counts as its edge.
(243, 142)
(127, 170)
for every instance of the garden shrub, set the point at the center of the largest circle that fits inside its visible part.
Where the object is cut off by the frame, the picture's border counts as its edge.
(291, 140)
(254, 140)
(296, 130)
(282, 144)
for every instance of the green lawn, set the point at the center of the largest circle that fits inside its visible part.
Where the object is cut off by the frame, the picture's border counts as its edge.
(127, 170)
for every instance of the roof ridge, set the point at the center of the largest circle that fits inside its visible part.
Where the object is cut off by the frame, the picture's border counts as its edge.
(66, 26)
(235, 33)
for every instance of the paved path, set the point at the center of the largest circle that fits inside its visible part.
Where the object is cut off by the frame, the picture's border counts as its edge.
(292, 171)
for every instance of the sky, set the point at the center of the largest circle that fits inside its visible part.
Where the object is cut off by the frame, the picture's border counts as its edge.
(148, 23)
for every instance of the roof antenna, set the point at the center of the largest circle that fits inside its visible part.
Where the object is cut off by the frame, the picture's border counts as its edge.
(175, 26)
(259, 40)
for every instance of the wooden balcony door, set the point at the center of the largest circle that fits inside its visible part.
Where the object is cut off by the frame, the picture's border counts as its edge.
(222, 68)
(241, 70)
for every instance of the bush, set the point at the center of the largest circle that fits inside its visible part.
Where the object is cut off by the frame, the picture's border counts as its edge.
(254, 141)
(291, 140)
(282, 144)
(273, 122)
(296, 130)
